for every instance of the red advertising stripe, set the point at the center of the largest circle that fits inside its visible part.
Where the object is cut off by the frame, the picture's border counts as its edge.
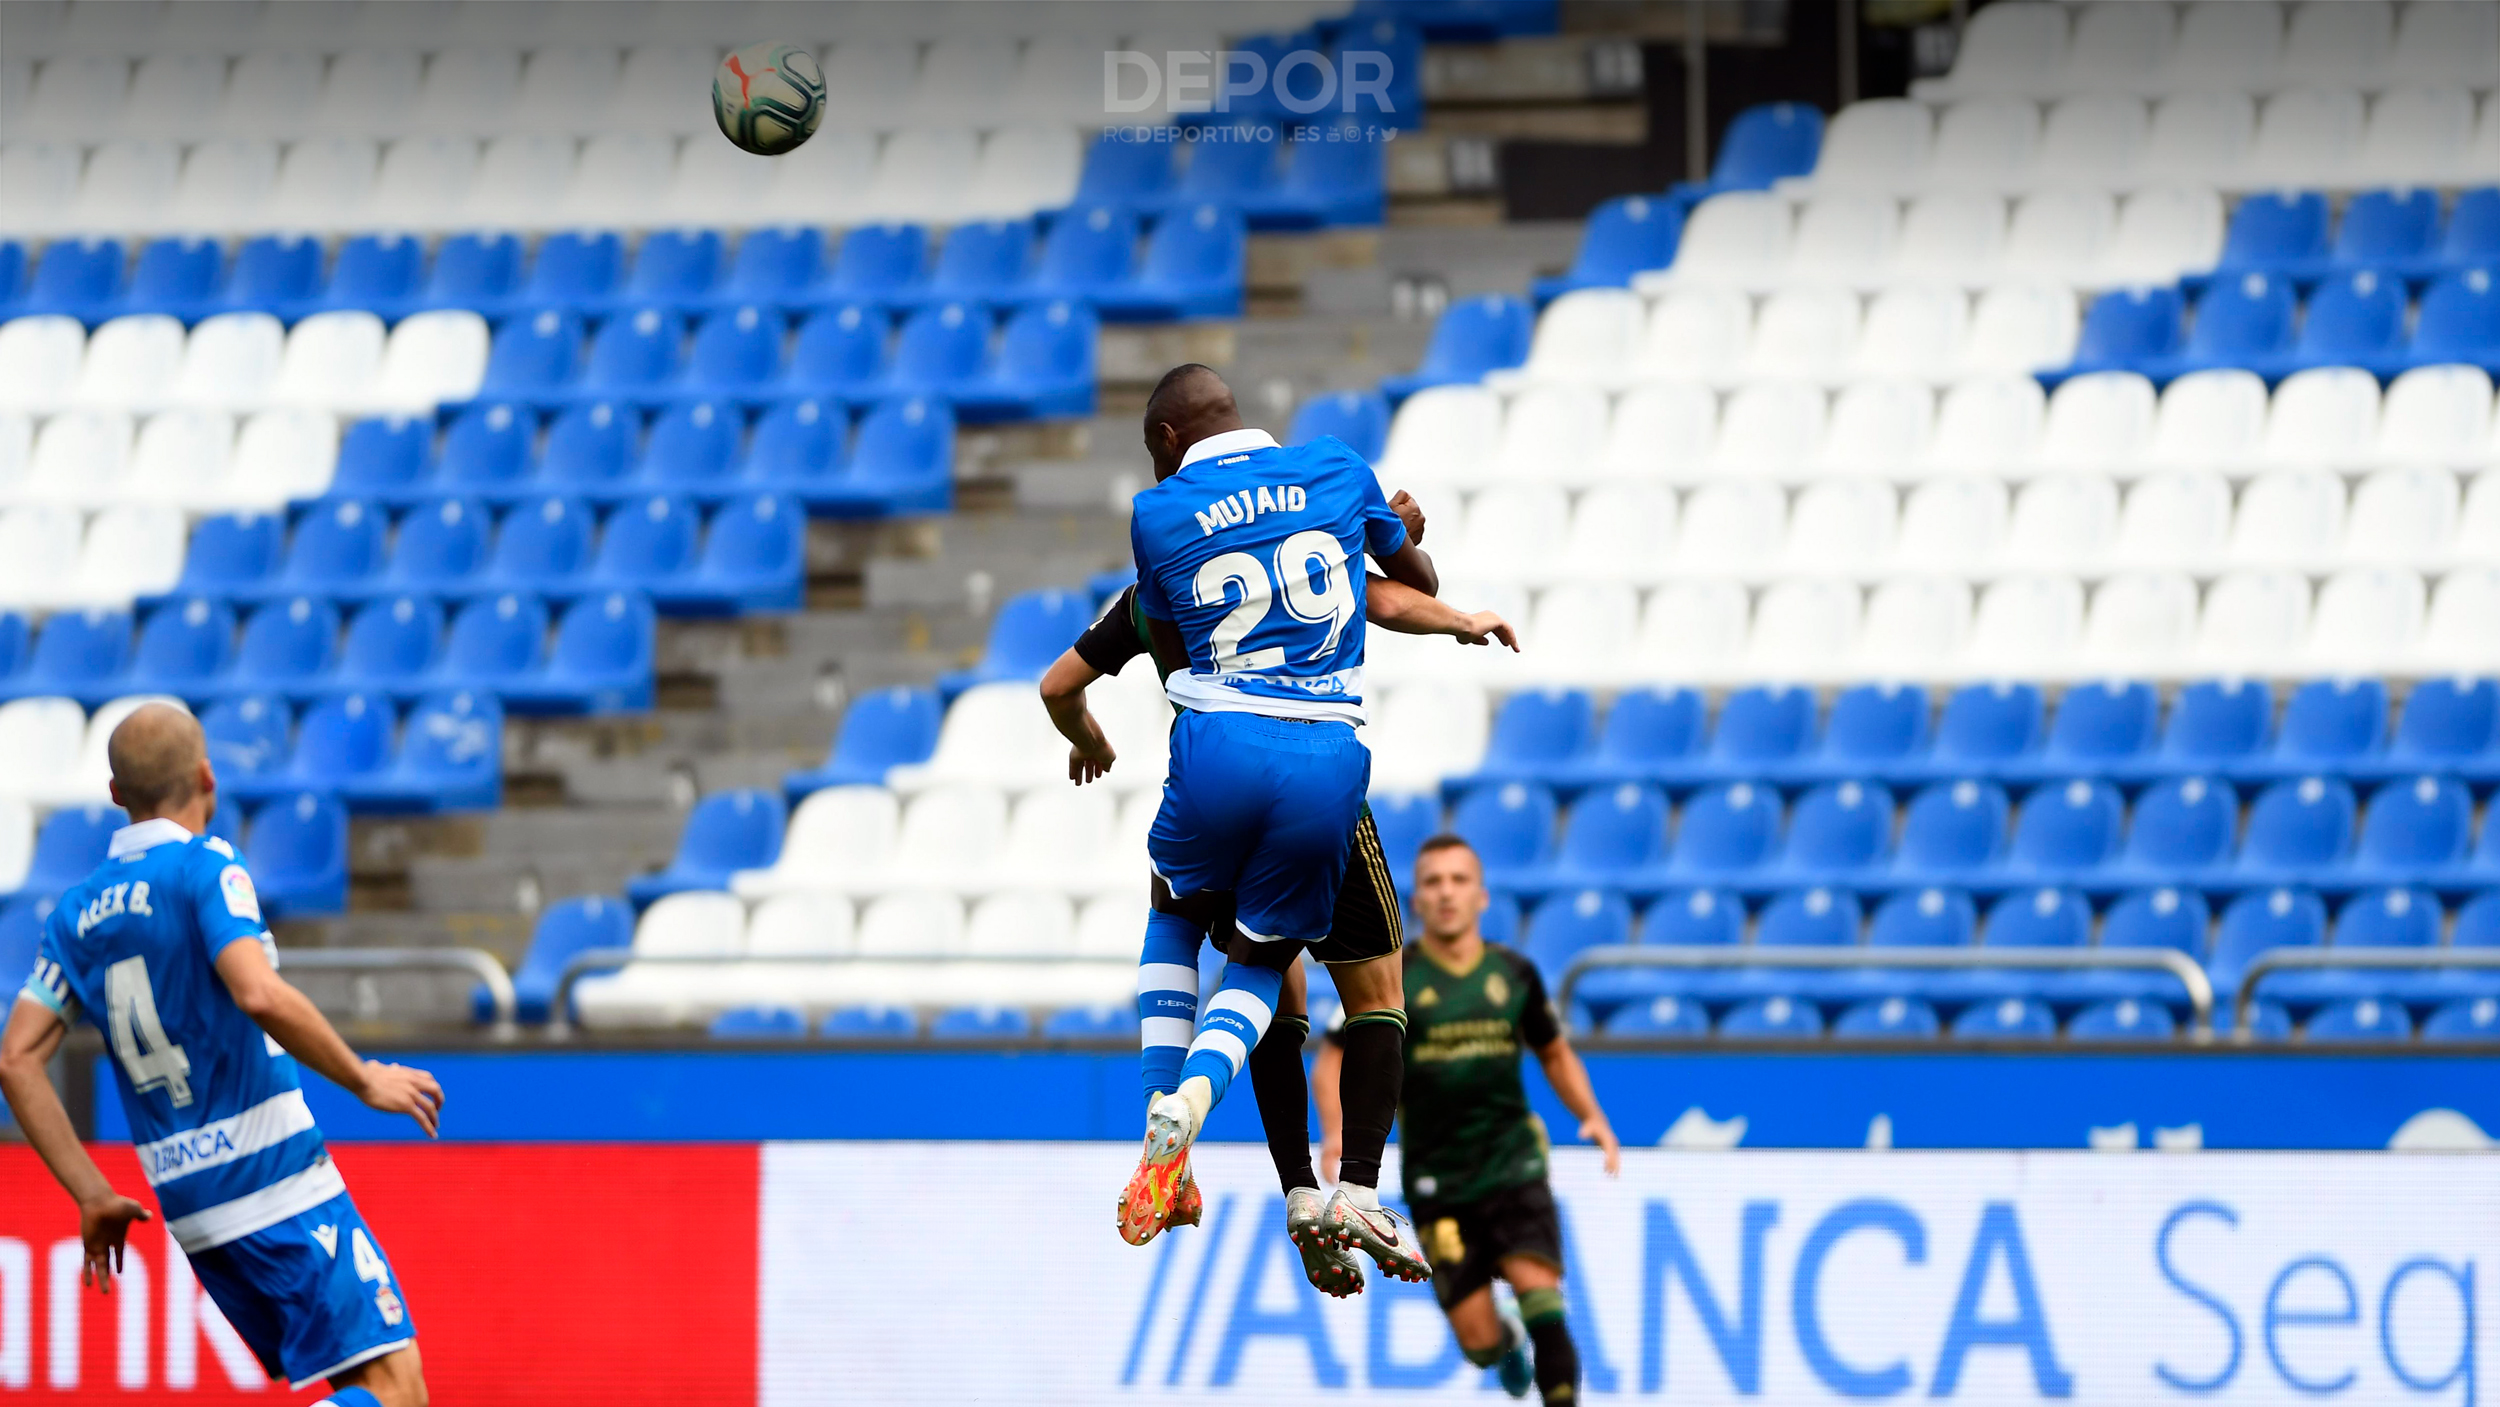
(536, 1274)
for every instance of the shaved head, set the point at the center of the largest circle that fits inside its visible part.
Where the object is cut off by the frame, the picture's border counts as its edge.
(160, 760)
(1189, 404)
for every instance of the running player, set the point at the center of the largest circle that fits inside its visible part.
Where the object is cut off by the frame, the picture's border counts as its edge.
(164, 948)
(1366, 919)
(1249, 564)
(1473, 1155)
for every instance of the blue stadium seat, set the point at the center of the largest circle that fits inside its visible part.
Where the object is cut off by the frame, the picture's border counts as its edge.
(2243, 319)
(840, 351)
(1893, 1018)
(1661, 1018)
(275, 274)
(1489, 332)
(634, 354)
(797, 442)
(602, 660)
(1404, 823)
(2353, 319)
(870, 1023)
(1772, 1019)
(12, 276)
(691, 452)
(1092, 1023)
(2069, 827)
(1387, 48)
(385, 459)
(1726, 830)
(440, 548)
(13, 644)
(2276, 230)
(2467, 1019)
(2006, 1019)
(1764, 144)
(2330, 724)
(2257, 921)
(533, 356)
(1875, 728)
(542, 546)
(1627, 235)
(476, 271)
(486, 451)
(1195, 267)
(1090, 251)
(758, 1023)
(2449, 724)
(1044, 368)
(887, 729)
(391, 645)
(1837, 832)
(1535, 733)
(21, 932)
(69, 845)
(2104, 727)
(380, 272)
(1511, 827)
(1334, 175)
(754, 560)
(2392, 230)
(2414, 831)
(1360, 418)
(1807, 918)
(495, 642)
(250, 737)
(983, 261)
(450, 758)
(2458, 320)
(2046, 917)
(298, 849)
(83, 654)
(2388, 918)
(940, 351)
(981, 1023)
(2123, 1020)
(1648, 733)
(1123, 171)
(1570, 923)
(1952, 829)
(232, 554)
(648, 543)
(2158, 918)
(2477, 922)
(80, 278)
(288, 646)
(902, 462)
(675, 268)
(575, 269)
(2360, 1020)
(1695, 918)
(2472, 238)
(2216, 724)
(2126, 330)
(1032, 629)
(1924, 918)
(2298, 827)
(879, 263)
(736, 354)
(1762, 728)
(337, 550)
(776, 266)
(1985, 727)
(340, 738)
(590, 449)
(1611, 834)
(724, 833)
(178, 277)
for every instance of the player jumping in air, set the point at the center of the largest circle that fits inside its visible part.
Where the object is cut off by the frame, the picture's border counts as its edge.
(1473, 1155)
(1365, 922)
(164, 947)
(1249, 565)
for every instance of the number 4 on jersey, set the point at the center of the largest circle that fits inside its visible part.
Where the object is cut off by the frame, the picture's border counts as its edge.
(147, 1055)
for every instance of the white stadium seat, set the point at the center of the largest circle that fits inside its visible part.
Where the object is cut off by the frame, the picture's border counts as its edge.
(231, 361)
(332, 360)
(279, 456)
(2117, 46)
(1806, 334)
(131, 362)
(469, 92)
(2093, 141)
(1512, 532)
(2163, 233)
(1025, 169)
(2348, 40)
(1847, 239)
(69, 88)
(2436, 415)
(963, 79)
(2288, 518)
(1988, 425)
(432, 357)
(618, 180)
(1621, 530)
(2210, 419)
(2063, 522)
(38, 186)
(838, 840)
(130, 551)
(1803, 629)
(1771, 428)
(2227, 45)
(1915, 627)
(1661, 429)
(38, 551)
(17, 841)
(994, 736)
(1584, 632)
(2140, 623)
(171, 92)
(2175, 519)
(39, 737)
(1881, 144)
(368, 92)
(868, 81)
(2018, 328)
(1439, 436)
(1694, 333)
(662, 87)
(1951, 237)
(1731, 526)
(2253, 622)
(324, 183)
(1059, 840)
(2402, 517)
(2060, 236)
(269, 92)
(1550, 432)
(1952, 524)
(40, 359)
(824, 180)
(1842, 527)
(1693, 630)
(1026, 925)
(2101, 421)
(922, 173)
(2200, 136)
(80, 457)
(1987, 144)
(2026, 627)
(1878, 427)
(424, 183)
(1739, 238)
(17, 446)
(128, 187)
(2326, 416)
(2368, 619)
(2014, 48)
(2419, 135)
(1423, 731)
(564, 89)
(2463, 632)
(1585, 336)
(226, 186)
(2444, 44)
(519, 180)
(1109, 927)
(2307, 137)
(946, 833)
(2478, 522)
(1913, 331)
(181, 458)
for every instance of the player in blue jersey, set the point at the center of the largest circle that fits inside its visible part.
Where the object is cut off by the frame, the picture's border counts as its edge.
(1250, 567)
(164, 948)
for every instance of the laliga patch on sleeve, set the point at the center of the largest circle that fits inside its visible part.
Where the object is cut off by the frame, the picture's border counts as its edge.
(240, 900)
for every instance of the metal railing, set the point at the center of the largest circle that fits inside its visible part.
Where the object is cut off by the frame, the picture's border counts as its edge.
(2274, 960)
(561, 1016)
(473, 962)
(2200, 992)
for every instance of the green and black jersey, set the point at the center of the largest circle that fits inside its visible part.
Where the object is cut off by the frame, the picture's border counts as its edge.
(1121, 635)
(1466, 1131)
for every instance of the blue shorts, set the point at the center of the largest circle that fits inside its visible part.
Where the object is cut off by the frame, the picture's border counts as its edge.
(1264, 807)
(312, 1295)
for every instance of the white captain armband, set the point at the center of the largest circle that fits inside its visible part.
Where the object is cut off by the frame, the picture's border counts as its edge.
(49, 987)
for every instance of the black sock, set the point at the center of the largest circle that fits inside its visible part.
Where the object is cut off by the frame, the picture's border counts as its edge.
(1557, 1360)
(1284, 1090)
(1375, 1072)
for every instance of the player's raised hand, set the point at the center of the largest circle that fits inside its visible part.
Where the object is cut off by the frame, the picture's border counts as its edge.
(402, 1089)
(104, 1226)
(1486, 628)
(1410, 513)
(1599, 1132)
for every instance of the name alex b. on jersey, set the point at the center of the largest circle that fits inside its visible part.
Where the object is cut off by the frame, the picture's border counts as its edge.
(131, 898)
(1245, 507)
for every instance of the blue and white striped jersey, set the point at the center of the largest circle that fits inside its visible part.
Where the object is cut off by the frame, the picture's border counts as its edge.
(216, 1106)
(1255, 552)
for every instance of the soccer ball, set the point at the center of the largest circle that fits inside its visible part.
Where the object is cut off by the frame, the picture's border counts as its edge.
(768, 97)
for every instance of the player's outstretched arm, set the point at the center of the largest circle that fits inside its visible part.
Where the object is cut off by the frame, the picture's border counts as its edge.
(104, 1216)
(1570, 1080)
(294, 1022)
(1394, 605)
(1063, 693)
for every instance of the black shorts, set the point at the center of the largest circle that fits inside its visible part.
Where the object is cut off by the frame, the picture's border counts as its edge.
(1367, 924)
(1468, 1241)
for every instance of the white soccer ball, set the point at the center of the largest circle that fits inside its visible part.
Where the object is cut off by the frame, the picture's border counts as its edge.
(768, 97)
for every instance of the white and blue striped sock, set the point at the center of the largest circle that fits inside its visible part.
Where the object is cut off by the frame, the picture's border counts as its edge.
(1167, 1000)
(1236, 1017)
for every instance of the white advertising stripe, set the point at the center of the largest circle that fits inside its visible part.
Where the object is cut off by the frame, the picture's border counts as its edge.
(1696, 1278)
(264, 1125)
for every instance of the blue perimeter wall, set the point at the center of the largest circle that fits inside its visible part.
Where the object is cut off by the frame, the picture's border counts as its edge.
(1806, 1099)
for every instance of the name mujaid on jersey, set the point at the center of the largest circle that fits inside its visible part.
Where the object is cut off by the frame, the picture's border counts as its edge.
(1254, 552)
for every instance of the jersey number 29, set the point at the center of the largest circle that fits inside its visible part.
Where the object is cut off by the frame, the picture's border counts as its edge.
(150, 1059)
(1330, 603)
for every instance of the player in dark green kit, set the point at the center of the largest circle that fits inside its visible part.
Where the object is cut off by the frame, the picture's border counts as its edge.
(1473, 1153)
